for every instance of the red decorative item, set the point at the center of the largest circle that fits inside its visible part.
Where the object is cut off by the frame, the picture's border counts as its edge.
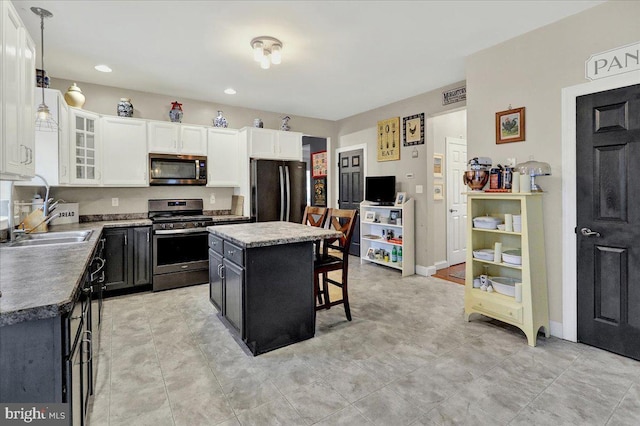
(175, 114)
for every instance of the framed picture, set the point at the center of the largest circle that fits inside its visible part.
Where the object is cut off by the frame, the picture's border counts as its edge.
(437, 165)
(319, 164)
(371, 253)
(319, 197)
(400, 198)
(510, 125)
(438, 191)
(389, 139)
(395, 214)
(413, 130)
(369, 216)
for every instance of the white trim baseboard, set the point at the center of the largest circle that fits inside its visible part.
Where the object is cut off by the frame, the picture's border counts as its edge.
(441, 264)
(425, 271)
(569, 207)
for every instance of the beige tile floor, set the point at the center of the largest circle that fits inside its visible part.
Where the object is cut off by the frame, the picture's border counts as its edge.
(407, 358)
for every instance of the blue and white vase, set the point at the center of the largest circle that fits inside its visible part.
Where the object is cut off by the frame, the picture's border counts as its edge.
(285, 124)
(125, 108)
(220, 121)
(258, 123)
(175, 114)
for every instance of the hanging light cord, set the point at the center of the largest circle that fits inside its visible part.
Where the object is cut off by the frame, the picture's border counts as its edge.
(42, 53)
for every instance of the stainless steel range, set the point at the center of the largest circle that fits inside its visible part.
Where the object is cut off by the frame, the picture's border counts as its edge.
(180, 249)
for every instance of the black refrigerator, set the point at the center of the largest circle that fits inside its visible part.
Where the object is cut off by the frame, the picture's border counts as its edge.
(278, 190)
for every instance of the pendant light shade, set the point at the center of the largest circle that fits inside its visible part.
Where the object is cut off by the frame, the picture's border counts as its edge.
(44, 120)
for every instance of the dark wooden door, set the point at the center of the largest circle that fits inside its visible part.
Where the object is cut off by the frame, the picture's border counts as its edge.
(351, 194)
(608, 218)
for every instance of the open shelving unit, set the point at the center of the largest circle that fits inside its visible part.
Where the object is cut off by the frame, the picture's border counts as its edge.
(532, 313)
(371, 235)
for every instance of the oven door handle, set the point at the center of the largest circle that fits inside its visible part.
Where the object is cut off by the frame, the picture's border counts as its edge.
(179, 231)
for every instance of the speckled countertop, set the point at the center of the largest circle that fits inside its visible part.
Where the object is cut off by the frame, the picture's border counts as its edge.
(40, 282)
(261, 234)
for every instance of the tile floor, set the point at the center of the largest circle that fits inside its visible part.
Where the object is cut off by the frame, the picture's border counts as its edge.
(407, 358)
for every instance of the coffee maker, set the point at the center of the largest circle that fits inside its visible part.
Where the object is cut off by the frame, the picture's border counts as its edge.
(478, 174)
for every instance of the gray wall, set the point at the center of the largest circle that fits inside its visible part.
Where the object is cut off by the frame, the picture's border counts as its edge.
(532, 75)
(361, 129)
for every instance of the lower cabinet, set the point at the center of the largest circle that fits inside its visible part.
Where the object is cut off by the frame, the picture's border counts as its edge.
(264, 294)
(234, 286)
(52, 360)
(128, 257)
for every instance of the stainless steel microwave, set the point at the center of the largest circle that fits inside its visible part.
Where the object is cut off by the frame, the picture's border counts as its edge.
(175, 169)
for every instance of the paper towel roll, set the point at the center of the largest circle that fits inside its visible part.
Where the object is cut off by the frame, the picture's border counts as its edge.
(515, 182)
(519, 292)
(525, 184)
(508, 222)
(497, 253)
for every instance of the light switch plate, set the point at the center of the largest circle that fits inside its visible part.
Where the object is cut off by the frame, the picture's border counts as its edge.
(212, 198)
(419, 189)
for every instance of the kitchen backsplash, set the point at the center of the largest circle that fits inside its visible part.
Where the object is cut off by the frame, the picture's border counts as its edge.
(99, 201)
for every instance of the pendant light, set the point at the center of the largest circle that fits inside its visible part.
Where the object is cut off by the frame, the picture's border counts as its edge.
(44, 120)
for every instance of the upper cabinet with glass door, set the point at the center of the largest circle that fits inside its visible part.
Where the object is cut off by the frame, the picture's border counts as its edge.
(85, 148)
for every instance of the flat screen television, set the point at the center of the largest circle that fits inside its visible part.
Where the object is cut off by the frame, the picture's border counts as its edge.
(380, 190)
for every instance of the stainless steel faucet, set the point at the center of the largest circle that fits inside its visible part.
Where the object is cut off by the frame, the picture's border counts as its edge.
(45, 211)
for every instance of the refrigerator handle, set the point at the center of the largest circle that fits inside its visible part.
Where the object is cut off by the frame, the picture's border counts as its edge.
(281, 193)
(286, 173)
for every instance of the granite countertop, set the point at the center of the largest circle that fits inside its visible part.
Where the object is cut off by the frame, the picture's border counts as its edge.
(262, 234)
(40, 282)
(229, 218)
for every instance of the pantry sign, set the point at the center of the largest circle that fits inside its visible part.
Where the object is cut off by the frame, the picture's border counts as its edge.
(613, 62)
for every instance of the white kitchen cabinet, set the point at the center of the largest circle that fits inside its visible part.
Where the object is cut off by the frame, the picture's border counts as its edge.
(176, 138)
(193, 140)
(16, 103)
(124, 151)
(52, 148)
(84, 147)
(225, 163)
(272, 144)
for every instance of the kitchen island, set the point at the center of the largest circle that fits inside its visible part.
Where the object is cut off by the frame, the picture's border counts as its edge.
(261, 281)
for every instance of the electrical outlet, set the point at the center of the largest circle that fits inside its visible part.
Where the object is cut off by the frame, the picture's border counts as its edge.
(419, 189)
(511, 162)
(115, 202)
(212, 198)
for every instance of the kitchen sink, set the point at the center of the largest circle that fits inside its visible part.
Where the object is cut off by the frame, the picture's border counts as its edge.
(49, 238)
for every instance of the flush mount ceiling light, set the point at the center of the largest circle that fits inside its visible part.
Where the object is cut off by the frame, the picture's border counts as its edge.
(230, 91)
(44, 120)
(103, 68)
(267, 50)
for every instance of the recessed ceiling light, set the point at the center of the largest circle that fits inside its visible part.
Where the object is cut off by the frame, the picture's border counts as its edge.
(103, 68)
(230, 91)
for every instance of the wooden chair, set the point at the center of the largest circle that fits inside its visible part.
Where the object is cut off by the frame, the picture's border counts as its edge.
(345, 222)
(314, 216)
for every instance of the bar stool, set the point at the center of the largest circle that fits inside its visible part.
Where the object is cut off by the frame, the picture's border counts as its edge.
(343, 221)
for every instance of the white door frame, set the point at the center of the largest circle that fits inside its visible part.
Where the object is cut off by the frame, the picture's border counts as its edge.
(363, 147)
(569, 206)
(448, 201)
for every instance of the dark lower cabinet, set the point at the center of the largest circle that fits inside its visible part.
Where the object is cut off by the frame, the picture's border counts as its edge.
(128, 257)
(265, 294)
(234, 287)
(215, 279)
(52, 360)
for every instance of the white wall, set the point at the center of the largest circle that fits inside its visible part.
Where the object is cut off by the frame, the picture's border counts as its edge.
(530, 71)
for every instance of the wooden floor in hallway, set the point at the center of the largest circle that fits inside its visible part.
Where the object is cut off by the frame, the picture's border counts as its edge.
(452, 273)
